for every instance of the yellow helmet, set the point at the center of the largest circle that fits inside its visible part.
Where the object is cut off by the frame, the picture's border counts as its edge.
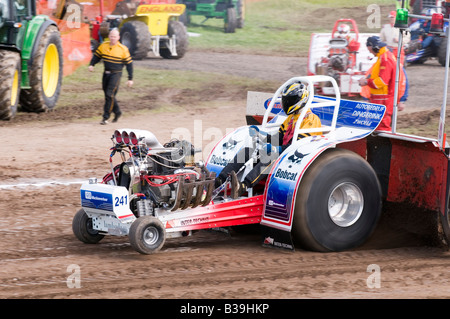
(294, 97)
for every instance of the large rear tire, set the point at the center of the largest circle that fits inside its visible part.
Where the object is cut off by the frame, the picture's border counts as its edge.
(147, 235)
(240, 6)
(82, 228)
(10, 78)
(45, 73)
(182, 41)
(338, 203)
(230, 21)
(136, 36)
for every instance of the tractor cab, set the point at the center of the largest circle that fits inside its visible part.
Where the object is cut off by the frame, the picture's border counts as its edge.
(13, 19)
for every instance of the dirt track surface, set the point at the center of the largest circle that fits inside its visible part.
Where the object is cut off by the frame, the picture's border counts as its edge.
(38, 252)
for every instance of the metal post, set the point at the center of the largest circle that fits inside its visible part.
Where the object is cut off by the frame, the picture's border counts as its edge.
(397, 76)
(444, 102)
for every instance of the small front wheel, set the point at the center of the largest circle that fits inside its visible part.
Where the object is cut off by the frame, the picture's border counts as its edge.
(83, 230)
(147, 235)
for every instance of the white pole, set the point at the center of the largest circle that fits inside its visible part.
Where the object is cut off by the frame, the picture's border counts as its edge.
(397, 76)
(444, 102)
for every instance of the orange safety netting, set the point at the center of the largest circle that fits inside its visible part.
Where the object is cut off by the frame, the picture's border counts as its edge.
(75, 28)
(76, 24)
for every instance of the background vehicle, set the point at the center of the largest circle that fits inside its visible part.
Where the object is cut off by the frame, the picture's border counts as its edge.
(330, 54)
(152, 27)
(149, 27)
(421, 33)
(417, 6)
(231, 11)
(32, 61)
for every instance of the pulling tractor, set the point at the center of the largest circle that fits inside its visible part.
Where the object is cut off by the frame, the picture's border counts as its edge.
(152, 27)
(32, 60)
(231, 11)
(323, 193)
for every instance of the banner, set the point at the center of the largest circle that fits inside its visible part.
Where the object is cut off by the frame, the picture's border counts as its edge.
(73, 19)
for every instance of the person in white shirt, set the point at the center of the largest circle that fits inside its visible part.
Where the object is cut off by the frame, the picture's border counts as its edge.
(389, 35)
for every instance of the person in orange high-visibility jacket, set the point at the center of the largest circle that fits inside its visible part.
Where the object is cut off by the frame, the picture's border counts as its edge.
(381, 80)
(402, 88)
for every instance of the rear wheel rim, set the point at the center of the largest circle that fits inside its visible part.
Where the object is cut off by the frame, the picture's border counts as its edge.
(50, 70)
(15, 88)
(345, 204)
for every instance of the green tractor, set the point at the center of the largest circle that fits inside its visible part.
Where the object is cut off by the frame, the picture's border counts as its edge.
(31, 59)
(232, 11)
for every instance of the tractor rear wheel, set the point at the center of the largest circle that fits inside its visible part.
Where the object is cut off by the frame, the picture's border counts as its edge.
(136, 36)
(82, 228)
(230, 21)
(45, 73)
(10, 78)
(147, 235)
(177, 29)
(338, 202)
(240, 14)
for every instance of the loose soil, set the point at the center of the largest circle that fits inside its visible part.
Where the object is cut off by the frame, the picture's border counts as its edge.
(38, 250)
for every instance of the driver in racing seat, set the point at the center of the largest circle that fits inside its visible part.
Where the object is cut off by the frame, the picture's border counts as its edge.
(343, 32)
(293, 99)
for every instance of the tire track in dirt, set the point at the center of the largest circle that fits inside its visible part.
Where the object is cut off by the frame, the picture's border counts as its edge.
(35, 256)
(38, 245)
(228, 268)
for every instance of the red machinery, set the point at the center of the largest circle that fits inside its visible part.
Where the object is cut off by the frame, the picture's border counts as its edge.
(341, 56)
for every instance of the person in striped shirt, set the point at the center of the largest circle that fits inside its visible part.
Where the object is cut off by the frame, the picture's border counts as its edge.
(114, 55)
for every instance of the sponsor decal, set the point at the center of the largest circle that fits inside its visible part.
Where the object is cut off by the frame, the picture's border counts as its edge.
(364, 114)
(160, 8)
(88, 195)
(272, 203)
(192, 221)
(97, 200)
(285, 174)
(217, 160)
(296, 157)
(271, 241)
(277, 108)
